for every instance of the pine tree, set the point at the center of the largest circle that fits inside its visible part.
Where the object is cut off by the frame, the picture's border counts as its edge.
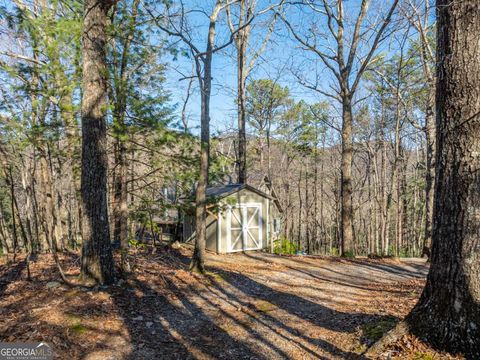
(97, 259)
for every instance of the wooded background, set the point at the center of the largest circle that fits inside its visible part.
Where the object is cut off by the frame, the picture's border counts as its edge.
(387, 79)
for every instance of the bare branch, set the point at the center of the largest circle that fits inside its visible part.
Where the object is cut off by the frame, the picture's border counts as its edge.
(22, 57)
(373, 48)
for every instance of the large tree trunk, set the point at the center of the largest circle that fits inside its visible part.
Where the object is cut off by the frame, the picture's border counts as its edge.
(97, 259)
(448, 313)
(346, 181)
(198, 258)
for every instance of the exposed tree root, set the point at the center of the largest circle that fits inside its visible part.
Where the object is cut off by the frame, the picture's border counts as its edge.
(389, 338)
(81, 283)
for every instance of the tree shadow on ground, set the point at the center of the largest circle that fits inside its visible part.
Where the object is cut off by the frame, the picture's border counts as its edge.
(166, 313)
(10, 273)
(173, 326)
(240, 291)
(191, 323)
(421, 270)
(324, 273)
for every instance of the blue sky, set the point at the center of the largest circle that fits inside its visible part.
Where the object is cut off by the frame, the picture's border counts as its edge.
(281, 59)
(274, 63)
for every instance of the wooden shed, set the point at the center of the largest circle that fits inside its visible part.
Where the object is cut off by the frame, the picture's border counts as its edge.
(241, 218)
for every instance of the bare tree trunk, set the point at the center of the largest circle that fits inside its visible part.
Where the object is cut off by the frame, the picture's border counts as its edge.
(241, 39)
(386, 197)
(395, 176)
(242, 137)
(120, 209)
(429, 179)
(316, 223)
(448, 312)
(404, 239)
(97, 259)
(41, 242)
(72, 139)
(205, 80)
(370, 248)
(12, 209)
(5, 237)
(323, 229)
(132, 226)
(198, 258)
(300, 210)
(54, 208)
(29, 211)
(241, 43)
(308, 216)
(346, 189)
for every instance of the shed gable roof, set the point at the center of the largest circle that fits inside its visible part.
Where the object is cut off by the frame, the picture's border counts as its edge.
(225, 190)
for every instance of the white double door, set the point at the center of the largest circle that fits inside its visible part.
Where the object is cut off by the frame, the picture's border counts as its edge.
(245, 227)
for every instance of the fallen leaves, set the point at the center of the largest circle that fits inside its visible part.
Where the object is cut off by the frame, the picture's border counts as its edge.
(255, 306)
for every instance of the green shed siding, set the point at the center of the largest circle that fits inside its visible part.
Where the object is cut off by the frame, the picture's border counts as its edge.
(218, 225)
(211, 233)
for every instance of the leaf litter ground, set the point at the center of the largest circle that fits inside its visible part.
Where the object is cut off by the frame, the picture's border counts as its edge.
(248, 306)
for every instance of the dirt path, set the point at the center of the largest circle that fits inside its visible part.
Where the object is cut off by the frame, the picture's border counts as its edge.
(312, 307)
(252, 306)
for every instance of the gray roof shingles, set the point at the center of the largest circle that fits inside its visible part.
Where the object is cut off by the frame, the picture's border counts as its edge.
(225, 190)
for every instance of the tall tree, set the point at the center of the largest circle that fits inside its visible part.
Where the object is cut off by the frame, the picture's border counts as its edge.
(347, 63)
(45, 69)
(418, 13)
(120, 208)
(97, 259)
(448, 312)
(203, 73)
(265, 103)
(245, 63)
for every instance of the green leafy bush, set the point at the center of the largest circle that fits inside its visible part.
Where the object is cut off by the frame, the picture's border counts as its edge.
(349, 254)
(403, 253)
(334, 251)
(284, 246)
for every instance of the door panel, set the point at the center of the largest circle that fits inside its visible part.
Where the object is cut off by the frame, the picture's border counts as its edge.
(237, 240)
(245, 228)
(236, 218)
(253, 231)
